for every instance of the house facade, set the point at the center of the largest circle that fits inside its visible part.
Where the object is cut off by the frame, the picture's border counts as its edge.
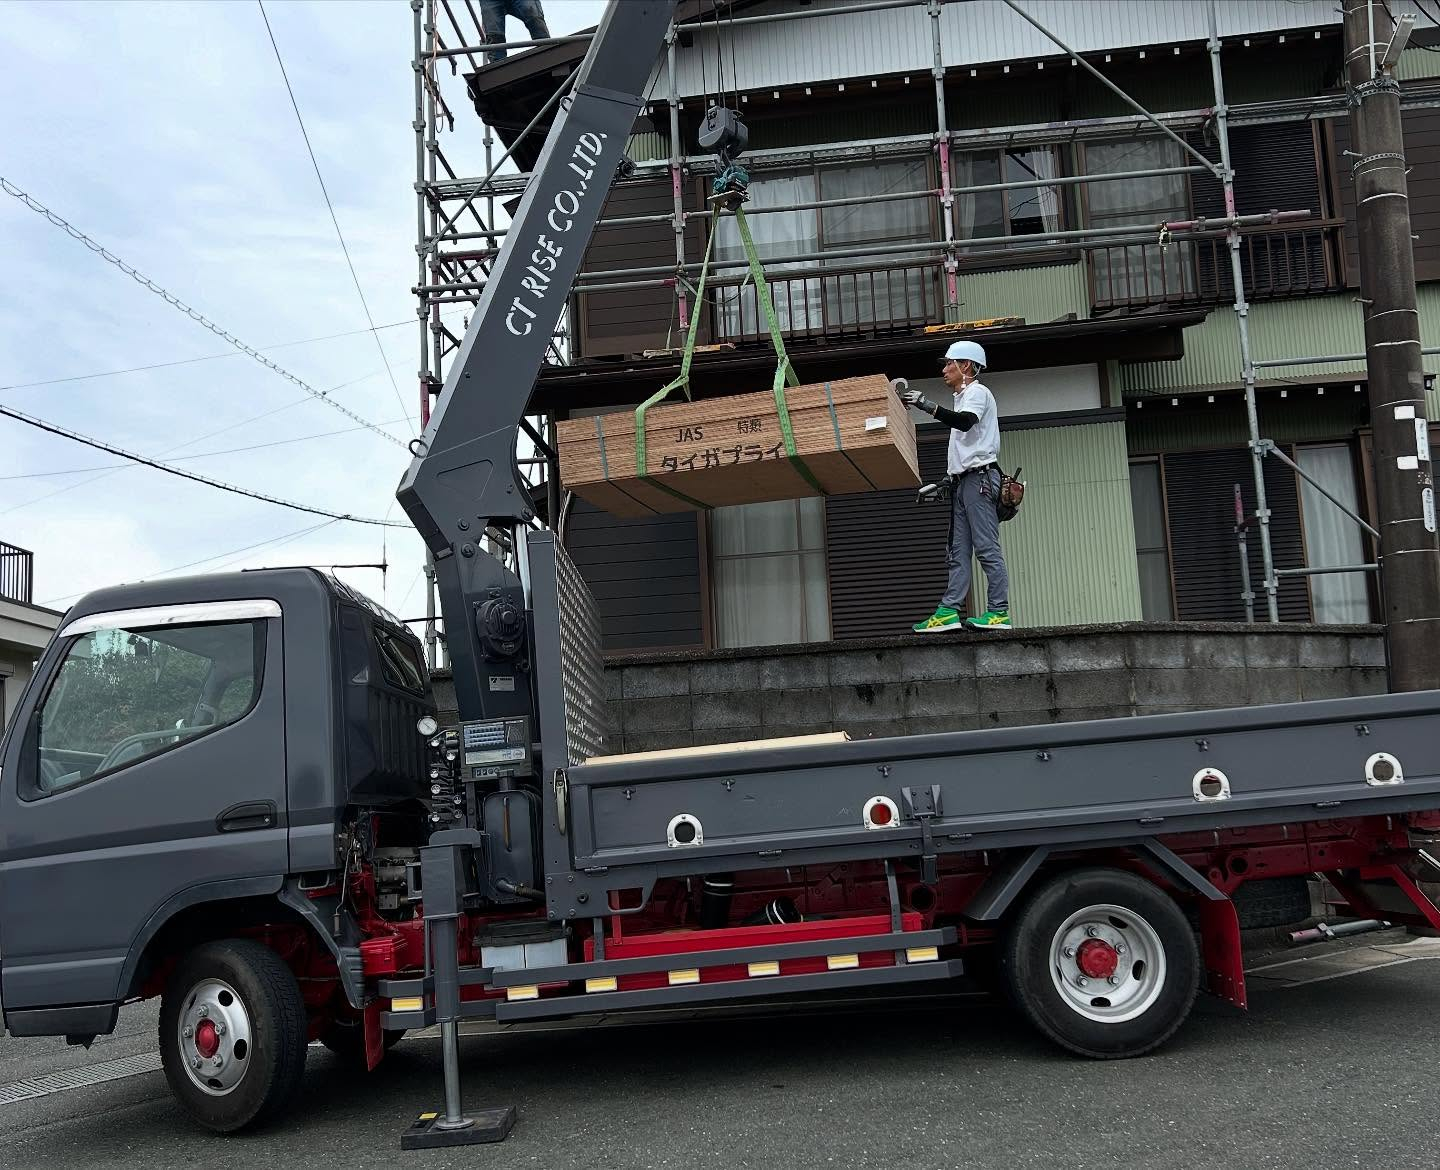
(1114, 352)
(25, 628)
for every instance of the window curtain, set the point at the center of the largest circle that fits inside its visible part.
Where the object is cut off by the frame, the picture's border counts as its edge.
(1037, 203)
(1331, 537)
(869, 293)
(1139, 272)
(769, 561)
(784, 233)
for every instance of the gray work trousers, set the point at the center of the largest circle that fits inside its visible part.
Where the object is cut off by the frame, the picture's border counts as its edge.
(975, 529)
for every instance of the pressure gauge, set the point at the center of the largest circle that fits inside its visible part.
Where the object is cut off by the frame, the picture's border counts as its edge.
(427, 725)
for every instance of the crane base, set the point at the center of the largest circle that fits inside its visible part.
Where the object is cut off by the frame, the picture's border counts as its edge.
(488, 1126)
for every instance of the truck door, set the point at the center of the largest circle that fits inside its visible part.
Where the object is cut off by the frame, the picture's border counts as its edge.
(148, 773)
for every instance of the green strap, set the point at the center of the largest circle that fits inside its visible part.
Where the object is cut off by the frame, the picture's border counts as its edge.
(784, 371)
(682, 382)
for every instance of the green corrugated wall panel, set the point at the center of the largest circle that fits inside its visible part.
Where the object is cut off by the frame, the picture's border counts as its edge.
(648, 147)
(1212, 358)
(1417, 65)
(1312, 326)
(1071, 551)
(1037, 294)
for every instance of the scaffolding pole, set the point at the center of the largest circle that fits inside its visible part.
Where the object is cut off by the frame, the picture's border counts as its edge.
(1226, 175)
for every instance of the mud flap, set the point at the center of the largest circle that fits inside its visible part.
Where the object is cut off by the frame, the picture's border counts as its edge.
(374, 1036)
(1221, 950)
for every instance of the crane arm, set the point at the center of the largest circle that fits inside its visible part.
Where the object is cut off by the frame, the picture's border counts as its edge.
(465, 476)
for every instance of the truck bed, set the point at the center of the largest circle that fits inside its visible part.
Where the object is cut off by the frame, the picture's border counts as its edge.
(1063, 784)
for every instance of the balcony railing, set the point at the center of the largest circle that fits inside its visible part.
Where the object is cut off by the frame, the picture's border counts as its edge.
(832, 303)
(17, 573)
(1281, 261)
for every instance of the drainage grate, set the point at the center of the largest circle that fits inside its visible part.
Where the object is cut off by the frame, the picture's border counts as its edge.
(79, 1078)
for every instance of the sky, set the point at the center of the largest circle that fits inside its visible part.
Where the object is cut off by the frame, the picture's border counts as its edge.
(164, 132)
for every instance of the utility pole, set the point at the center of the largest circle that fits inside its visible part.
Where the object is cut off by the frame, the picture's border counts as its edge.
(1409, 557)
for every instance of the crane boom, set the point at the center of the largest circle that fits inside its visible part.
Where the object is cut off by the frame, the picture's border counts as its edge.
(465, 476)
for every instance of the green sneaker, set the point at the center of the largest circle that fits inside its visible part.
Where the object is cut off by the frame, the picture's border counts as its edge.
(993, 620)
(943, 618)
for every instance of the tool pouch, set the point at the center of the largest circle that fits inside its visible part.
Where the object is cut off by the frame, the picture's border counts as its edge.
(1012, 494)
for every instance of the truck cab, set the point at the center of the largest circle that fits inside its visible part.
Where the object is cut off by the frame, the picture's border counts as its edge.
(188, 750)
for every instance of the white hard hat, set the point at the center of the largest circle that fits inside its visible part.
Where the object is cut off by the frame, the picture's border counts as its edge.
(966, 351)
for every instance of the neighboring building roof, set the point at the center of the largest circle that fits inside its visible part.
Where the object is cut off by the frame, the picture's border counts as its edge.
(1152, 336)
(26, 626)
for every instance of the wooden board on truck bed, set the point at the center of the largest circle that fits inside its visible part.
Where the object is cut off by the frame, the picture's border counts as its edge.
(852, 434)
(714, 749)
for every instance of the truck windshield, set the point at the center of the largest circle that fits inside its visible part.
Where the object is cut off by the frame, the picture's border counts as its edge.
(122, 695)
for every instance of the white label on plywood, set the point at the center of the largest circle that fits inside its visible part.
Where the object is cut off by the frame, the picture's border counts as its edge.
(878, 423)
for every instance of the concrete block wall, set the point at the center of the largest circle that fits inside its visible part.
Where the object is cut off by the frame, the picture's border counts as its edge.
(955, 682)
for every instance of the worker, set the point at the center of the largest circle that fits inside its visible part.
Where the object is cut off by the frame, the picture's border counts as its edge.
(492, 19)
(974, 479)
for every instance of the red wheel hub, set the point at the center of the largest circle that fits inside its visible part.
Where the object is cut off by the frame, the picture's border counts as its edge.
(207, 1039)
(1097, 959)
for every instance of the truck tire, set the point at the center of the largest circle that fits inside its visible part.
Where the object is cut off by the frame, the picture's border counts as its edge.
(1267, 902)
(1101, 962)
(346, 1039)
(233, 1034)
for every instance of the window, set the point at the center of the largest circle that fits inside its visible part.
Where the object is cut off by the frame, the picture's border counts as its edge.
(900, 289)
(399, 662)
(1332, 538)
(783, 233)
(1138, 272)
(1152, 549)
(124, 695)
(770, 573)
(1020, 211)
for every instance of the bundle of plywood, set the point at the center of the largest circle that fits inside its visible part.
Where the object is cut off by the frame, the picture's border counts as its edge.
(850, 435)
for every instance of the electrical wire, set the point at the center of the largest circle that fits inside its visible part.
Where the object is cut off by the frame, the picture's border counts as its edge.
(1435, 20)
(207, 358)
(277, 541)
(195, 315)
(183, 458)
(191, 442)
(345, 248)
(41, 424)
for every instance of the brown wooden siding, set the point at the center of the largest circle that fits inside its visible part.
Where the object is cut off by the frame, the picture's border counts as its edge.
(615, 324)
(1422, 155)
(885, 554)
(645, 575)
(1204, 554)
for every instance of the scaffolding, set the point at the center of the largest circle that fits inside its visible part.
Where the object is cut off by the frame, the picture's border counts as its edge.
(458, 233)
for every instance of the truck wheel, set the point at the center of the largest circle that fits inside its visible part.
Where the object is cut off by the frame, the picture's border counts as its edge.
(1102, 962)
(233, 1034)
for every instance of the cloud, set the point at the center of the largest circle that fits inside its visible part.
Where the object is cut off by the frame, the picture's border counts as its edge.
(164, 131)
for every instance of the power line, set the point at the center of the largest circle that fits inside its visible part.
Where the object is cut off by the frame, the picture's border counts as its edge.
(200, 455)
(196, 316)
(314, 162)
(31, 420)
(188, 443)
(207, 358)
(276, 541)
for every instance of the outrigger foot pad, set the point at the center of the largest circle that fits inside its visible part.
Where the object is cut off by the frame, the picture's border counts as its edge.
(485, 1126)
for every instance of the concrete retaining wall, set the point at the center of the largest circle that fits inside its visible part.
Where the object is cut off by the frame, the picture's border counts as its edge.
(955, 682)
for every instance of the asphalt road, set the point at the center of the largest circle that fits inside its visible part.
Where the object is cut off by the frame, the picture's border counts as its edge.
(1331, 1067)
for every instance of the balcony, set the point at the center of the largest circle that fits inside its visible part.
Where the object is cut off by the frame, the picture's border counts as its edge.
(844, 303)
(17, 573)
(1278, 261)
